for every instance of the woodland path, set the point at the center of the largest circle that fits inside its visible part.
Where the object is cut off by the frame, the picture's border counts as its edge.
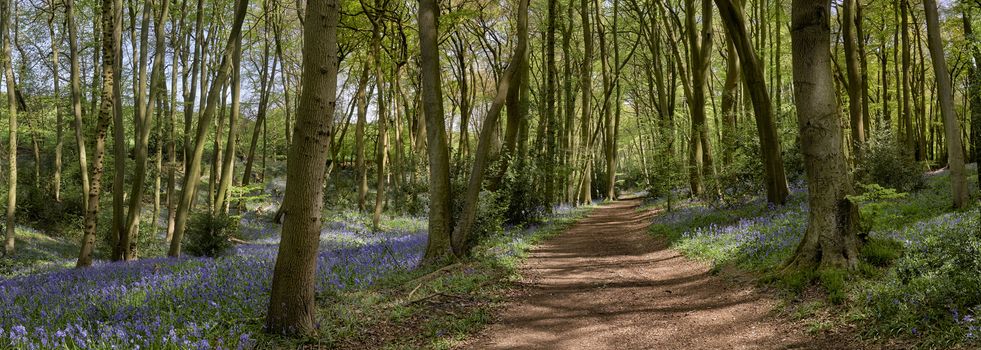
(607, 284)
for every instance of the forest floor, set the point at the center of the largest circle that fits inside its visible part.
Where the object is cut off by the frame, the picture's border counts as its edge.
(607, 284)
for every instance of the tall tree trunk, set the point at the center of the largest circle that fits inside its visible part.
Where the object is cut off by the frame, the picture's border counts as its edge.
(952, 131)
(362, 101)
(228, 162)
(854, 70)
(906, 118)
(730, 97)
(292, 309)
(974, 86)
(119, 148)
(586, 193)
(110, 11)
(59, 121)
(191, 178)
(381, 155)
(143, 121)
(700, 47)
(440, 209)
(8, 246)
(774, 176)
(181, 52)
(863, 68)
(461, 241)
(830, 240)
(191, 94)
(76, 98)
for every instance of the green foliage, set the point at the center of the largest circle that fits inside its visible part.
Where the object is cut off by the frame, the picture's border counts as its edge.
(834, 282)
(209, 235)
(886, 162)
(795, 281)
(38, 208)
(664, 175)
(742, 178)
(935, 288)
(248, 194)
(875, 201)
(881, 252)
(523, 203)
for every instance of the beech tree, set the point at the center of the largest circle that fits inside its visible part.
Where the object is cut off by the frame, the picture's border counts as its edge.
(291, 305)
(8, 72)
(955, 158)
(830, 240)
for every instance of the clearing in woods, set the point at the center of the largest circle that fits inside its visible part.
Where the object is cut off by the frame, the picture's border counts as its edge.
(607, 284)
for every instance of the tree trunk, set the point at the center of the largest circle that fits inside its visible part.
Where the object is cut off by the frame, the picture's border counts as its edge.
(906, 118)
(194, 170)
(59, 127)
(110, 10)
(585, 193)
(8, 246)
(461, 241)
(76, 98)
(730, 96)
(440, 209)
(774, 176)
(853, 68)
(830, 240)
(118, 231)
(952, 131)
(292, 309)
(359, 144)
(228, 162)
(143, 121)
(381, 155)
(974, 86)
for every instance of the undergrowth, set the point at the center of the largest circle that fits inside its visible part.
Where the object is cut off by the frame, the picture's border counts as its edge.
(430, 307)
(918, 279)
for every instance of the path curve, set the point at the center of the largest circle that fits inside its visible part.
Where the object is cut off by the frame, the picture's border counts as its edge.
(607, 284)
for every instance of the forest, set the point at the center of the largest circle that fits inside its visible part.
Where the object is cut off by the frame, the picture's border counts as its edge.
(490, 174)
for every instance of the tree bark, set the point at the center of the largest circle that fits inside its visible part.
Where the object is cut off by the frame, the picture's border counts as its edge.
(292, 309)
(76, 98)
(359, 144)
(830, 240)
(952, 131)
(586, 192)
(143, 121)
(59, 127)
(228, 162)
(440, 209)
(381, 155)
(774, 176)
(461, 241)
(9, 241)
(974, 86)
(854, 72)
(194, 170)
(110, 10)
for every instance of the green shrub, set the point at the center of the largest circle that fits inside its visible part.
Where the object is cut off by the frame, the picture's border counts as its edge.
(523, 204)
(881, 252)
(833, 281)
(935, 287)
(210, 235)
(742, 178)
(886, 162)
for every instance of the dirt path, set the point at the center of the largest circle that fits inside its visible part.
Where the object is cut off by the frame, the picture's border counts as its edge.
(606, 284)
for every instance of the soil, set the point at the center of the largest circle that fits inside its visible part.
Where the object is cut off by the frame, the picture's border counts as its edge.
(607, 284)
